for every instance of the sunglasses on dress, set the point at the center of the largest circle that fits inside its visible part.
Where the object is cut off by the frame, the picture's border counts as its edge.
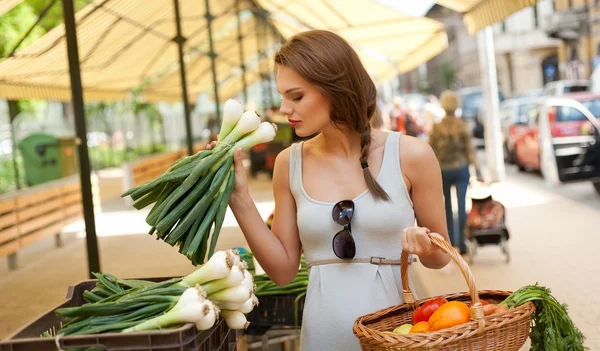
(343, 242)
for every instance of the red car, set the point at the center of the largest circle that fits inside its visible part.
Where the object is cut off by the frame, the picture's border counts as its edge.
(559, 137)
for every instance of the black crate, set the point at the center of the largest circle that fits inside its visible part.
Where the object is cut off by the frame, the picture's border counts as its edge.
(185, 338)
(274, 311)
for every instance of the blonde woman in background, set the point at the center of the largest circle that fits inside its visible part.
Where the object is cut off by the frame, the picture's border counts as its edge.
(451, 142)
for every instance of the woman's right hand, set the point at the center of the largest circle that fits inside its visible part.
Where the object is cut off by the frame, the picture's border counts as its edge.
(241, 180)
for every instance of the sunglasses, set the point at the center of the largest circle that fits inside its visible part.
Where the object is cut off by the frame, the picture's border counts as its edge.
(343, 242)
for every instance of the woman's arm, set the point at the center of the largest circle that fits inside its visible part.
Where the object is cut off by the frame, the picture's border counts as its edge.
(422, 169)
(277, 251)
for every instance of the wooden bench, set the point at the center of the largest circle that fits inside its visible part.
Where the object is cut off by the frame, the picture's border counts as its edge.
(33, 214)
(151, 167)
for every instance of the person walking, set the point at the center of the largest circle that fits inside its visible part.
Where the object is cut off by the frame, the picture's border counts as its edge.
(451, 142)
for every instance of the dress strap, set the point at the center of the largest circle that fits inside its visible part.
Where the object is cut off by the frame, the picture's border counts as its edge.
(296, 166)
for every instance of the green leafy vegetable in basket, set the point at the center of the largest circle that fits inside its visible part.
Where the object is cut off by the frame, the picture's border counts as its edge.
(117, 305)
(552, 327)
(191, 197)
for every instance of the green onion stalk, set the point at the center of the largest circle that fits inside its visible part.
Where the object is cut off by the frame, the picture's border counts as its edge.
(120, 305)
(190, 198)
(266, 287)
(552, 328)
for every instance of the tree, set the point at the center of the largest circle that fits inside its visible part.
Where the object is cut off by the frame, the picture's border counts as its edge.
(447, 74)
(16, 23)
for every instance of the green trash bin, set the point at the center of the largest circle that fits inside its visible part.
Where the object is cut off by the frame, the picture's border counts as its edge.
(47, 157)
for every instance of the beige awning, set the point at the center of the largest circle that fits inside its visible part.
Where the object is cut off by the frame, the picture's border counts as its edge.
(126, 45)
(7, 5)
(388, 41)
(479, 14)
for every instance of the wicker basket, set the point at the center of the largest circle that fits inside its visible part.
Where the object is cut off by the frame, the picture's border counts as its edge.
(505, 331)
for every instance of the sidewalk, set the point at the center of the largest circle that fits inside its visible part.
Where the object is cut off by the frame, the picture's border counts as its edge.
(553, 241)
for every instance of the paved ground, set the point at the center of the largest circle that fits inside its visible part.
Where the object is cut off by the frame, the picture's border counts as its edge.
(555, 241)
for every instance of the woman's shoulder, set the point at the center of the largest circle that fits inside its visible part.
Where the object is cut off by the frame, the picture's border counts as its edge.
(415, 153)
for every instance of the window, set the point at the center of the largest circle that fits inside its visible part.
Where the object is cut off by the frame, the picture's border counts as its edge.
(576, 88)
(569, 114)
(536, 16)
(503, 28)
(522, 116)
(593, 106)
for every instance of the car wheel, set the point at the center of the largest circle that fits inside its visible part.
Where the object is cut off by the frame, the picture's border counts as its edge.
(520, 165)
(597, 186)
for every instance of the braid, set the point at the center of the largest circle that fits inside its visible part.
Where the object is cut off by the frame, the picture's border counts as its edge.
(374, 187)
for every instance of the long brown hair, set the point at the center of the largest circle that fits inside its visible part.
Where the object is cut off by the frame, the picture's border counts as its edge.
(328, 62)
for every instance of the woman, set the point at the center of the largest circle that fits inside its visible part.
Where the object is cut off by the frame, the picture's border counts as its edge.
(451, 142)
(391, 180)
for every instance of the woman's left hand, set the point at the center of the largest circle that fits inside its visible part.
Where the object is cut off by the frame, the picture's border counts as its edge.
(415, 240)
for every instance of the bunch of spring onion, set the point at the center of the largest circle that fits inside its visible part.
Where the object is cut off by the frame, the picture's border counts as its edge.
(221, 287)
(191, 197)
(552, 328)
(266, 287)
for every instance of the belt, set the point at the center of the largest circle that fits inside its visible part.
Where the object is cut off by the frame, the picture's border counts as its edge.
(371, 260)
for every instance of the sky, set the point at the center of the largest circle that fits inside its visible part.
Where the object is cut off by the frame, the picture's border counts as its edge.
(410, 7)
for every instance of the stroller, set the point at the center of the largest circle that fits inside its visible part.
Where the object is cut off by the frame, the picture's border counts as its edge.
(486, 223)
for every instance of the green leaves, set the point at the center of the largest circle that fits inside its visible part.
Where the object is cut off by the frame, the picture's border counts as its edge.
(552, 328)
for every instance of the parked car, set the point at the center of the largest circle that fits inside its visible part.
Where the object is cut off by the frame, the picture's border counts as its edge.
(562, 139)
(562, 87)
(470, 110)
(514, 120)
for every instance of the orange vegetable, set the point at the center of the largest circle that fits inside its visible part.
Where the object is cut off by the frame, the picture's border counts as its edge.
(421, 327)
(501, 308)
(489, 309)
(449, 315)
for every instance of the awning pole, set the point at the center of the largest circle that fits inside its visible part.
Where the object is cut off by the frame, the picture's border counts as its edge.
(13, 111)
(258, 51)
(80, 129)
(213, 57)
(180, 40)
(240, 39)
(491, 105)
(260, 40)
(269, 76)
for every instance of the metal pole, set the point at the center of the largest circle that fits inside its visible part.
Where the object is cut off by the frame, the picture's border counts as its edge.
(267, 70)
(258, 52)
(13, 111)
(491, 105)
(180, 40)
(241, 48)
(213, 57)
(80, 128)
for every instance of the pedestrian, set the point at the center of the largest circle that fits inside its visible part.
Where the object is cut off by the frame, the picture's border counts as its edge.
(397, 114)
(432, 113)
(346, 198)
(451, 142)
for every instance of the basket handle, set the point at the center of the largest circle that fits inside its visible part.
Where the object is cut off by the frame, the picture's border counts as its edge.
(409, 298)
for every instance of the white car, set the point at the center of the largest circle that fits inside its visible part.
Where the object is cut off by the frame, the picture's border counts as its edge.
(562, 87)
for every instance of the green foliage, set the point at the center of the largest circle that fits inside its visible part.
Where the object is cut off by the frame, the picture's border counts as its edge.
(15, 23)
(447, 74)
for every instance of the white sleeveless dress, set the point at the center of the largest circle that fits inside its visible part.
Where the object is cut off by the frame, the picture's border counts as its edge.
(341, 292)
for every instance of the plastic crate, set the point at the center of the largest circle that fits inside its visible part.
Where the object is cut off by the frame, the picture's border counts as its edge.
(274, 311)
(185, 338)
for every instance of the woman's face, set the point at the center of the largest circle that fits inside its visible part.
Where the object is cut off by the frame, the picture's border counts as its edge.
(302, 103)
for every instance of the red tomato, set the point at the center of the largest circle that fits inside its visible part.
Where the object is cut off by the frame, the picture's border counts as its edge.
(423, 313)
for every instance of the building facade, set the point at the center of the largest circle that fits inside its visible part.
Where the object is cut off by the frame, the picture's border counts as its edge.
(526, 57)
(574, 23)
